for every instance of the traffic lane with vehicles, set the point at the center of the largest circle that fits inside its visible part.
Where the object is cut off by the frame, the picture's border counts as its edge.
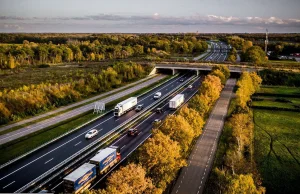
(130, 143)
(193, 177)
(27, 169)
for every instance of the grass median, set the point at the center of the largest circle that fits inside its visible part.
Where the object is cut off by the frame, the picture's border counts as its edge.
(29, 142)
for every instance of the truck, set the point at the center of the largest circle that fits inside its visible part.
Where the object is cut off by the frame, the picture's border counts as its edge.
(176, 101)
(106, 158)
(80, 179)
(125, 106)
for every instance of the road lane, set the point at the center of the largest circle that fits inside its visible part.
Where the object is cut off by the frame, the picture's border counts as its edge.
(30, 167)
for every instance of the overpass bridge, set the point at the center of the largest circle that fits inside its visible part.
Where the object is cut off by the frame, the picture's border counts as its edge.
(174, 68)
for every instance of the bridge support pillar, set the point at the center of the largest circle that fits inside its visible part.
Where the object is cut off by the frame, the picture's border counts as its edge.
(197, 72)
(174, 71)
(154, 70)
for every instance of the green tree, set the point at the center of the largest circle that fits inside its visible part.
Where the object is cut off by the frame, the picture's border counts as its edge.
(255, 54)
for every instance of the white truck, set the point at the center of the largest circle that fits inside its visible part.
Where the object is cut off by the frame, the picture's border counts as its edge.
(176, 101)
(125, 106)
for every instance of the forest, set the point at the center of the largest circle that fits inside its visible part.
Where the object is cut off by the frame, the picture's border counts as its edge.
(35, 50)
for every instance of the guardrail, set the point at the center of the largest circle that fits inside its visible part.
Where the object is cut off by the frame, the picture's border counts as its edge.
(60, 165)
(76, 128)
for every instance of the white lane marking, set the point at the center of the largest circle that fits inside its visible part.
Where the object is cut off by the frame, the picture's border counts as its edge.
(48, 160)
(57, 185)
(123, 146)
(117, 119)
(77, 143)
(8, 184)
(120, 139)
(139, 133)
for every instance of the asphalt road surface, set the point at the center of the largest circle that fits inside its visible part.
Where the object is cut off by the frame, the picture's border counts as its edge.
(23, 171)
(193, 177)
(56, 119)
(130, 143)
(218, 52)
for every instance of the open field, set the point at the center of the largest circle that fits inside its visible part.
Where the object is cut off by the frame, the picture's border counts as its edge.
(291, 103)
(54, 74)
(277, 152)
(281, 90)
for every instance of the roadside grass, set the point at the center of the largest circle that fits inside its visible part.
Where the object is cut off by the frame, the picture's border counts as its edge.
(283, 62)
(271, 102)
(277, 153)
(61, 112)
(279, 90)
(22, 145)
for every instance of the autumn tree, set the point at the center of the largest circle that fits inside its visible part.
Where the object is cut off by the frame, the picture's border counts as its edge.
(255, 54)
(224, 69)
(211, 87)
(130, 179)
(218, 73)
(201, 104)
(161, 158)
(193, 118)
(179, 130)
(243, 184)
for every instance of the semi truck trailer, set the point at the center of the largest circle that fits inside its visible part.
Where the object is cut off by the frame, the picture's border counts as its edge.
(176, 101)
(81, 178)
(125, 106)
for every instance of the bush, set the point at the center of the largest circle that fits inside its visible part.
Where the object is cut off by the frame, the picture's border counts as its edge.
(43, 66)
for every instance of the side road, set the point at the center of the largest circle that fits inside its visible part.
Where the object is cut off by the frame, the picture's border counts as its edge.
(193, 177)
(48, 122)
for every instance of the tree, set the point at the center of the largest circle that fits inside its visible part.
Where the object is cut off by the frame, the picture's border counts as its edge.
(161, 158)
(201, 104)
(130, 179)
(225, 70)
(247, 44)
(193, 118)
(179, 130)
(211, 87)
(255, 54)
(220, 75)
(243, 184)
(11, 62)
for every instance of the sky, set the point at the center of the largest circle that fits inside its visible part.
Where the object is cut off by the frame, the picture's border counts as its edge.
(150, 16)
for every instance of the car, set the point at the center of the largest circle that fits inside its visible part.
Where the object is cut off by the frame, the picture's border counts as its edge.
(181, 80)
(190, 86)
(156, 121)
(157, 95)
(132, 132)
(159, 110)
(139, 107)
(92, 133)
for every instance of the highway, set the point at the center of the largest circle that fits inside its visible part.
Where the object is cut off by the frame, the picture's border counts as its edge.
(23, 171)
(218, 52)
(128, 143)
(193, 177)
(72, 113)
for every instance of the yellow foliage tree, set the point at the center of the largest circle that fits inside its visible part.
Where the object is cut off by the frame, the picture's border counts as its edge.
(193, 118)
(161, 158)
(243, 184)
(179, 130)
(220, 75)
(211, 87)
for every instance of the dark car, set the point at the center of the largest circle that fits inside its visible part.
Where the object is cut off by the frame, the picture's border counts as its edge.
(181, 80)
(139, 108)
(159, 110)
(132, 132)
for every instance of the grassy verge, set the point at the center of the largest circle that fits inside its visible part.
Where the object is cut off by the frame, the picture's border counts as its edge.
(279, 90)
(277, 153)
(22, 145)
(56, 114)
(286, 102)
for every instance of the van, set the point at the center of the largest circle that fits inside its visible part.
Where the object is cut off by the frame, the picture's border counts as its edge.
(157, 95)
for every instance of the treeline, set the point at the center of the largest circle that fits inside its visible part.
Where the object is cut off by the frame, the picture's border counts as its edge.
(97, 49)
(235, 170)
(33, 99)
(284, 78)
(249, 53)
(158, 160)
(281, 48)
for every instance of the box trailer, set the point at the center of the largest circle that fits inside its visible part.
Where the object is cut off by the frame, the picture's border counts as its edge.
(176, 101)
(125, 106)
(106, 158)
(80, 179)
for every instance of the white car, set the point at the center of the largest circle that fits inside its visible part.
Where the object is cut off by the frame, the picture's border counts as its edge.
(91, 134)
(157, 95)
(156, 121)
(190, 86)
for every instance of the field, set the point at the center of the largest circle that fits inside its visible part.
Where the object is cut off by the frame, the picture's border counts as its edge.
(276, 139)
(54, 74)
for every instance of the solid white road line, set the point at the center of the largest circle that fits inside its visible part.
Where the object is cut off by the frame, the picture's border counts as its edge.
(77, 143)
(8, 184)
(57, 185)
(48, 160)
(123, 146)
